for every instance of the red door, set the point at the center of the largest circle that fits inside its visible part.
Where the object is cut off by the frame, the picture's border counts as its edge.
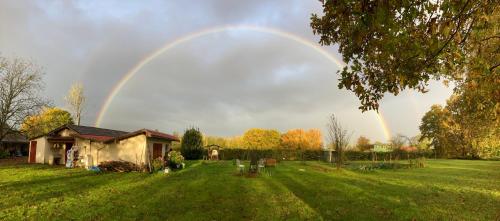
(32, 152)
(156, 150)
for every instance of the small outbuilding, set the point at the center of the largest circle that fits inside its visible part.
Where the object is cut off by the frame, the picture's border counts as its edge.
(15, 144)
(89, 146)
(329, 155)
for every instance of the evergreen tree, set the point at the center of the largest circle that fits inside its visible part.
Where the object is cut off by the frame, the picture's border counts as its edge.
(192, 144)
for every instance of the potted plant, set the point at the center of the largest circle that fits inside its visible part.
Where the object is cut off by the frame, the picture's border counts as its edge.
(176, 160)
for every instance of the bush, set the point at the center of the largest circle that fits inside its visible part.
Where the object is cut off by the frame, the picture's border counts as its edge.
(192, 144)
(157, 165)
(4, 154)
(175, 158)
(382, 166)
(413, 163)
(418, 163)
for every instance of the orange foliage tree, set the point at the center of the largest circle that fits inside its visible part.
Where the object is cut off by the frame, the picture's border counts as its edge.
(302, 140)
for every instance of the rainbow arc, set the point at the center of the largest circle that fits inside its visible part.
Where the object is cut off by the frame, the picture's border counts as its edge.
(205, 32)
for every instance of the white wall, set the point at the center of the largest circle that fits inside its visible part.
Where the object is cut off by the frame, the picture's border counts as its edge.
(41, 150)
(131, 149)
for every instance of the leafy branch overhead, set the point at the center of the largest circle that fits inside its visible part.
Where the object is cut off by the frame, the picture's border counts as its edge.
(390, 46)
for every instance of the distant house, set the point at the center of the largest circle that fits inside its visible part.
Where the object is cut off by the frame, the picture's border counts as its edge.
(92, 145)
(409, 149)
(382, 148)
(16, 144)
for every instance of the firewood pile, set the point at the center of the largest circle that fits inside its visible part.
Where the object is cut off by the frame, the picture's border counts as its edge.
(118, 166)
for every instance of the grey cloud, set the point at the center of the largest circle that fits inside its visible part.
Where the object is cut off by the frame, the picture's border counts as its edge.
(223, 83)
(237, 90)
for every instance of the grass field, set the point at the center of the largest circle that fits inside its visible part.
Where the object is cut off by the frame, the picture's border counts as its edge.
(444, 190)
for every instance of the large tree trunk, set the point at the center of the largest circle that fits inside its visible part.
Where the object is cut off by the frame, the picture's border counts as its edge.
(339, 158)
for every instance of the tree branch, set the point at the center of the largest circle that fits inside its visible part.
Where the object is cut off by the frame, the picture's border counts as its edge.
(452, 35)
(494, 66)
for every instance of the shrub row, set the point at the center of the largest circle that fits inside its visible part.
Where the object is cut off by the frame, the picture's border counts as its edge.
(396, 155)
(281, 154)
(244, 154)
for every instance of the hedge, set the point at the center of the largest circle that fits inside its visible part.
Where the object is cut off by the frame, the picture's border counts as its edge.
(282, 154)
(396, 155)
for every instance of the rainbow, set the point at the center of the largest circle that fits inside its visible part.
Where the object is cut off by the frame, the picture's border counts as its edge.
(132, 72)
(383, 124)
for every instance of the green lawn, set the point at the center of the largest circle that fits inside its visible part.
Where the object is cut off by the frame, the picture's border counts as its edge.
(444, 190)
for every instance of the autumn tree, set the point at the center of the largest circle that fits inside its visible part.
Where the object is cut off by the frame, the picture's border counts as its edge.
(294, 139)
(446, 135)
(300, 139)
(235, 142)
(20, 88)
(45, 121)
(76, 100)
(455, 132)
(432, 127)
(422, 144)
(470, 127)
(257, 138)
(393, 46)
(339, 136)
(315, 139)
(363, 143)
(214, 140)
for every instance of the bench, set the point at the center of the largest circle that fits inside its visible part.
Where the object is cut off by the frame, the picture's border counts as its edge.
(270, 162)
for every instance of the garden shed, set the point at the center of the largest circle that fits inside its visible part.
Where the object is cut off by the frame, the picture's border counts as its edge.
(88, 146)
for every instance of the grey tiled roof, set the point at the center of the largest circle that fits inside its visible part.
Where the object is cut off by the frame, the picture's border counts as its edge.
(85, 130)
(15, 138)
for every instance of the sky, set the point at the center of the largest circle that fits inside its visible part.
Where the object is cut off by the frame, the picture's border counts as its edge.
(222, 82)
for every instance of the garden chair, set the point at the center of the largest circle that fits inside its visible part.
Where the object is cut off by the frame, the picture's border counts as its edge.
(260, 165)
(239, 166)
(214, 155)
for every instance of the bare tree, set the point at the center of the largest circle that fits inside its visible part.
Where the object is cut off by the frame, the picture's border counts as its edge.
(76, 100)
(20, 87)
(338, 136)
(398, 141)
(412, 141)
